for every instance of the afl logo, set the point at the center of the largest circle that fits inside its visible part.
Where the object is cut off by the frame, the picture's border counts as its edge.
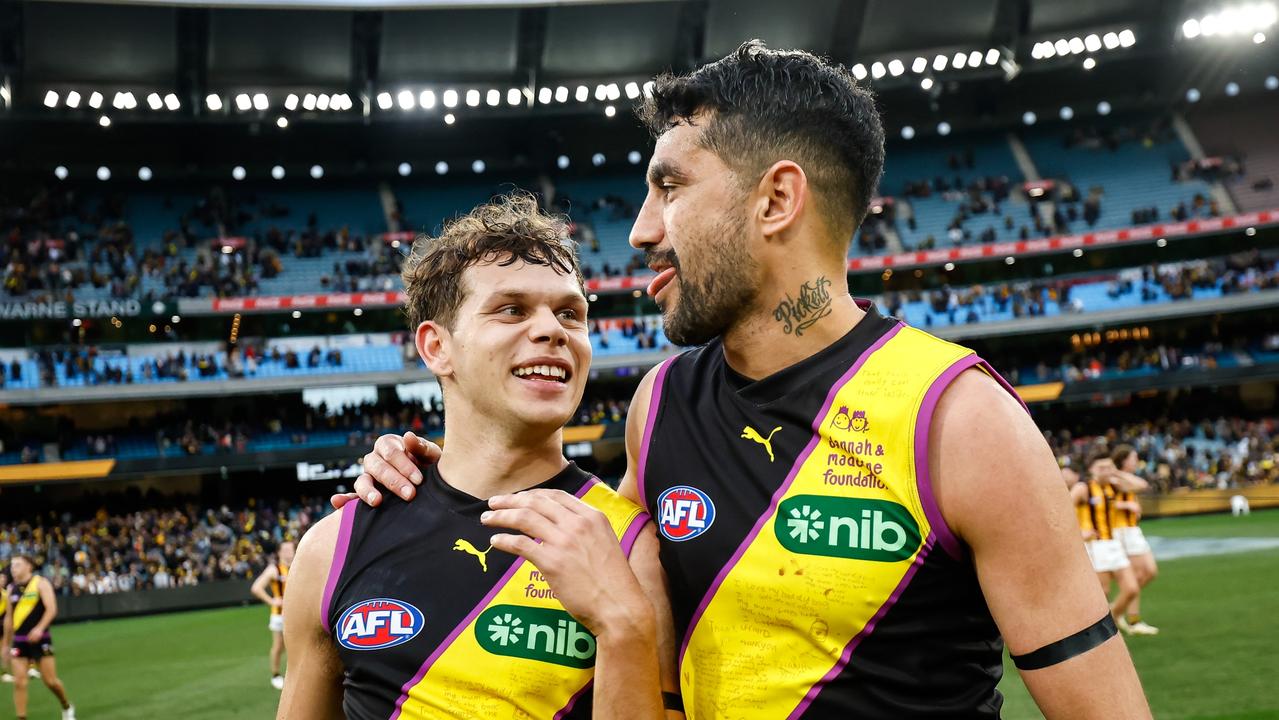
(378, 624)
(684, 513)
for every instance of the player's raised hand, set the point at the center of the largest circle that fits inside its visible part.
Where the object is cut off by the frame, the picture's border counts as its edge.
(577, 552)
(393, 464)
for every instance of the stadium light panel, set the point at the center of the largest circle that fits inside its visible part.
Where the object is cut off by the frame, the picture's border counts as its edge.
(477, 167)
(959, 61)
(317, 172)
(859, 71)
(291, 102)
(562, 162)
(632, 90)
(405, 169)
(441, 168)
(1076, 45)
(613, 92)
(1029, 117)
(609, 111)
(172, 103)
(426, 99)
(1092, 43)
(920, 65)
(601, 91)
(450, 98)
(277, 172)
(1090, 63)
(939, 62)
(896, 67)
(949, 267)
(877, 70)
(583, 93)
(104, 121)
(385, 101)
(243, 102)
(297, 314)
(943, 128)
(73, 99)
(104, 173)
(282, 122)
(1062, 46)
(926, 83)
(260, 102)
(992, 56)
(633, 157)
(1127, 38)
(1258, 38)
(974, 59)
(145, 174)
(513, 96)
(321, 102)
(154, 101)
(494, 97)
(1066, 112)
(544, 96)
(449, 119)
(309, 102)
(1103, 108)
(473, 98)
(60, 172)
(406, 100)
(51, 99)
(117, 101)
(95, 100)
(597, 159)
(908, 133)
(1232, 88)
(1193, 95)
(238, 172)
(648, 88)
(1110, 40)
(561, 94)
(1272, 83)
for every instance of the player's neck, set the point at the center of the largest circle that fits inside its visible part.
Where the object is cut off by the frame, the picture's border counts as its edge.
(796, 317)
(483, 461)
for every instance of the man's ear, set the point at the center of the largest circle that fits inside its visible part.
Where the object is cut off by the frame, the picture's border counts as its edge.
(784, 192)
(433, 342)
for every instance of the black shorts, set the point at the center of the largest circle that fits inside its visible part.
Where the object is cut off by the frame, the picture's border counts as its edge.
(33, 651)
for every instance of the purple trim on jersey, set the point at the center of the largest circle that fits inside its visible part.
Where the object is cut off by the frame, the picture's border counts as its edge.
(466, 621)
(339, 560)
(781, 491)
(653, 400)
(865, 631)
(633, 531)
(573, 700)
(923, 478)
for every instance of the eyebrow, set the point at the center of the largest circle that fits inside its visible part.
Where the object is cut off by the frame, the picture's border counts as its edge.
(521, 295)
(663, 169)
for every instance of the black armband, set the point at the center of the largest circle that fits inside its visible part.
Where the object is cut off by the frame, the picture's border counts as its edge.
(673, 701)
(1068, 647)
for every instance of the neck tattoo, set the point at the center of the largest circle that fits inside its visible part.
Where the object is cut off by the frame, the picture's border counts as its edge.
(813, 304)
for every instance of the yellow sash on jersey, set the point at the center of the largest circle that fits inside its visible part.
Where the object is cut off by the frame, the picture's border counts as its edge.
(25, 605)
(518, 654)
(842, 538)
(277, 586)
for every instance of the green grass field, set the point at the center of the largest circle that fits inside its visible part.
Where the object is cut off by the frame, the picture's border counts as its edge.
(1216, 656)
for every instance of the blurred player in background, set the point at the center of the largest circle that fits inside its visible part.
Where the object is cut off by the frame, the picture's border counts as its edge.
(33, 607)
(5, 642)
(273, 578)
(1104, 549)
(1132, 538)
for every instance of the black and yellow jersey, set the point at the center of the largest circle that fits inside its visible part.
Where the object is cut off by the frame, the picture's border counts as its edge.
(1101, 500)
(1083, 512)
(1126, 518)
(27, 607)
(811, 573)
(277, 585)
(432, 622)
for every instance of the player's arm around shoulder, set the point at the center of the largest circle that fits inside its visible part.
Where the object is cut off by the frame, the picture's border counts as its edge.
(313, 685)
(636, 423)
(999, 490)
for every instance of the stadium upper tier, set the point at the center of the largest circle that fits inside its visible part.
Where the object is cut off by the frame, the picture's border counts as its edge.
(277, 239)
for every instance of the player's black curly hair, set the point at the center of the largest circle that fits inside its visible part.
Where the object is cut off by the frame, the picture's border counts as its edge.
(767, 105)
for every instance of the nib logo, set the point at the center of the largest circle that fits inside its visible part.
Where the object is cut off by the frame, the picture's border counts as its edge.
(853, 528)
(805, 523)
(542, 634)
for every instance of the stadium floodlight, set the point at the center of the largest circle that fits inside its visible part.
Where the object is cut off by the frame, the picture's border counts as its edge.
(1258, 38)
(908, 132)
(154, 101)
(104, 121)
(73, 99)
(562, 162)
(1232, 88)
(297, 314)
(104, 173)
(238, 172)
(1079, 252)
(277, 172)
(1062, 46)
(118, 102)
(613, 92)
(175, 319)
(583, 93)
(992, 56)
(172, 103)
(77, 322)
(1193, 95)
(896, 67)
(648, 88)
(943, 128)
(1272, 83)
(601, 91)
(1090, 63)
(597, 159)
(473, 98)
(243, 102)
(610, 111)
(561, 94)
(1110, 40)
(1092, 43)
(441, 168)
(1050, 50)
(309, 102)
(633, 157)
(494, 97)
(291, 102)
(357, 312)
(926, 83)
(426, 99)
(859, 71)
(477, 167)
(1190, 29)
(281, 122)
(1010, 260)
(1103, 108)
(405, 169)
(1029, 117)
(1161, 242)
(406, 99)
(544, 96)
(145, 174)
(920, 65)
(51, 99)
(513, 96)
(959, 61)
(385, 101)
(632, 90)
(449, 119)
(949, 267)
(1127, 38)
(60, 172)
(95, 100)
(317, 172)
(974, 59)
(877, 70)
(450, 98)
(321, 102)
(1066, 112)
(939, 62)
(1077, 45)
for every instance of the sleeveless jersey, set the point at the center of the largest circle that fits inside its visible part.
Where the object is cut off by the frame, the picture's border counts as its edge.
(811, 573)
(277, 585)
(27, 607)
(1101, 500)
(1083, 515)
(4, 604)
(1127, 517)
(430, 624)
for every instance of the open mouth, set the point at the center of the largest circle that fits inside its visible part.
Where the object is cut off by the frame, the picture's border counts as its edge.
(544, 372)
(664, 277)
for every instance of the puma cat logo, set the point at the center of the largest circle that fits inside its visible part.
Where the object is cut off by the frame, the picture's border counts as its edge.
(466, 547)
(749, 433)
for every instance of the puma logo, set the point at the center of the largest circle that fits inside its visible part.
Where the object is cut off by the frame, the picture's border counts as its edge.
(466, 547)
(749, 433)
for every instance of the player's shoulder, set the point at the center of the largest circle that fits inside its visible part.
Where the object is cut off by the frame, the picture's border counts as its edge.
(318, 543)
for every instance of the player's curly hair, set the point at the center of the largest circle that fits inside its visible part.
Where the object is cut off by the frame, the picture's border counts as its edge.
(510, 228)
(768, 105)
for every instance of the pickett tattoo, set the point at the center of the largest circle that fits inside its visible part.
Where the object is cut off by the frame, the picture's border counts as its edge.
(813, 304)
